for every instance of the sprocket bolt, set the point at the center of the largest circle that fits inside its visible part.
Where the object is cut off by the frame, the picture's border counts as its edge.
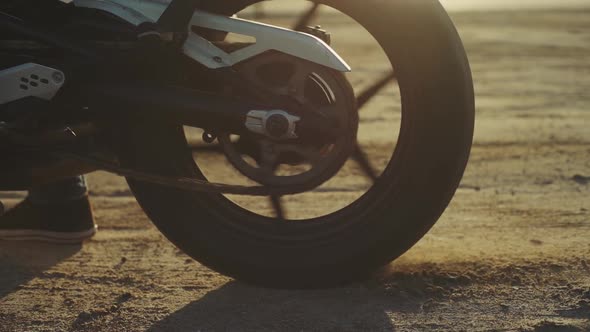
(57, 77)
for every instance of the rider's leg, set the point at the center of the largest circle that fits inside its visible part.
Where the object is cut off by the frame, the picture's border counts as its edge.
(58, 212)
(65, 190)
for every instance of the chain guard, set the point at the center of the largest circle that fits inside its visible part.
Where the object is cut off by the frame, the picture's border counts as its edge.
(189, 184)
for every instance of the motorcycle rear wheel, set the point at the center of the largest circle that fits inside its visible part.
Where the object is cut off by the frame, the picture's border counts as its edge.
(411, 194)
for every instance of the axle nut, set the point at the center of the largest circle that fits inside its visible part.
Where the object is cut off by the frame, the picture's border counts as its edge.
(277, 125)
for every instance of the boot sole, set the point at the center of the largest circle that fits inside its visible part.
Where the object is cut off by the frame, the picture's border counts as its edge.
(47, 236)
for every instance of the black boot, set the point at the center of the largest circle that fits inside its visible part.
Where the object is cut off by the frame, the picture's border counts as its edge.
(65, 222)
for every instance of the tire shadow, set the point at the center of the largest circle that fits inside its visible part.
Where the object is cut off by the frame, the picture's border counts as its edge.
(240, 307)
(22, 261)
(412, 290)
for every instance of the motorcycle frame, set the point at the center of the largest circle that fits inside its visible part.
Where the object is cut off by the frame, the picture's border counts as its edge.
(195, 107)
(177, 104)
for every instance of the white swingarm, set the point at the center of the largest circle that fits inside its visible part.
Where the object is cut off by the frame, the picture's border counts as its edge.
(268, 37)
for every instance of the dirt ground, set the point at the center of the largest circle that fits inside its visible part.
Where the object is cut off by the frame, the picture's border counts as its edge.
(511, 253)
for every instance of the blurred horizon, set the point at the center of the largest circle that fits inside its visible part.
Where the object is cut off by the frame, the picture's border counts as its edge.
(153, 8)
(456, 5)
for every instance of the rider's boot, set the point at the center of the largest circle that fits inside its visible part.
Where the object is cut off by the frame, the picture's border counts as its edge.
(58, 213)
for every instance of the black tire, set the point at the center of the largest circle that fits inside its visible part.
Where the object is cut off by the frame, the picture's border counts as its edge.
(429, 161)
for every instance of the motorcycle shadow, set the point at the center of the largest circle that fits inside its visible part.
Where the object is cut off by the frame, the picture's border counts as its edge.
(240, 307)
(374, 305)
(21, 262)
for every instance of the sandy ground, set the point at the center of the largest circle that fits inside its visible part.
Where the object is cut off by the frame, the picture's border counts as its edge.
(512, 252)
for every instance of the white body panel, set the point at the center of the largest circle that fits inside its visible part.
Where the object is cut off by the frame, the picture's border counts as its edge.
(268, 37)
(152, 9)
(29, 80)
(126, 13)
